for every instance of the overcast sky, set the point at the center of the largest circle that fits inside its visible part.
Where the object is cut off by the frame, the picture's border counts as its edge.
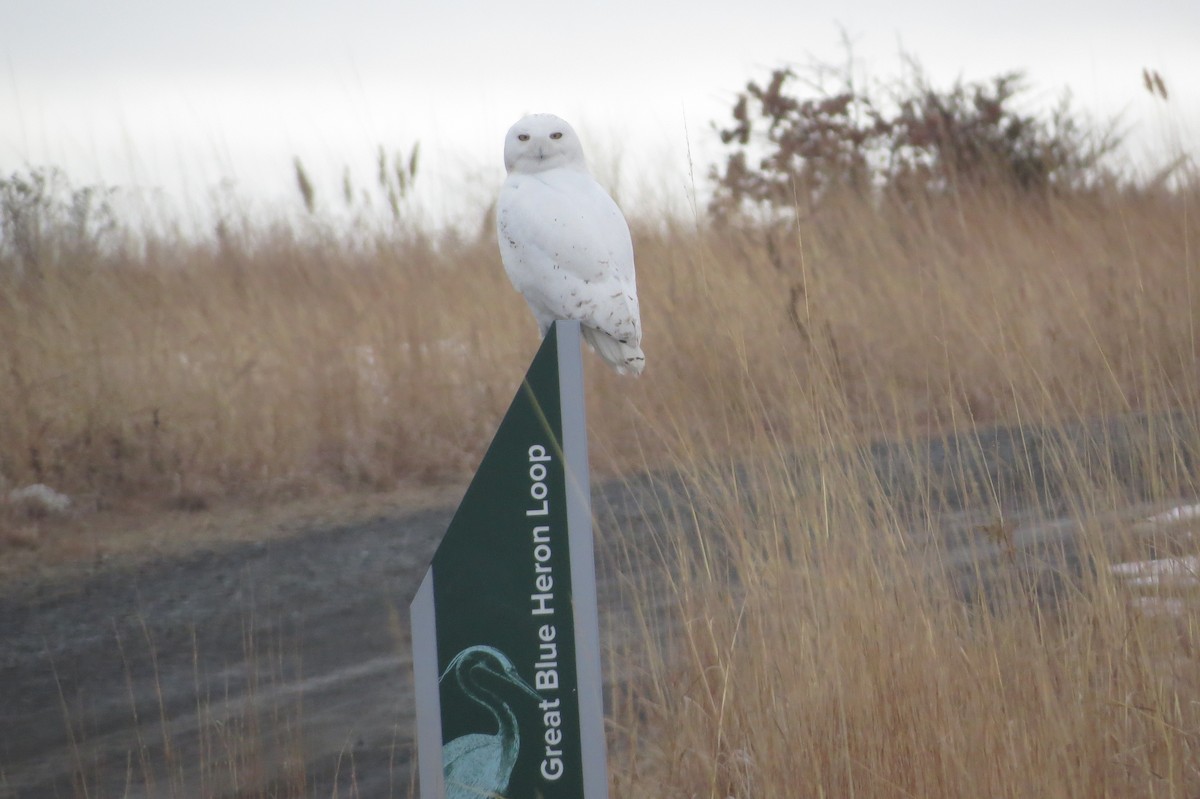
(183, 95)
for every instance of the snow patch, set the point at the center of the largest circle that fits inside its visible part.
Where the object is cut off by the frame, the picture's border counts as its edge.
(1159, 606)
(1176, 571)
(39, 499)
(1181, 513)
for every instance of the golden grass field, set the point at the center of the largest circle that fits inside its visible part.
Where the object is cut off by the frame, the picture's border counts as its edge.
(812, 651)
(282, 362)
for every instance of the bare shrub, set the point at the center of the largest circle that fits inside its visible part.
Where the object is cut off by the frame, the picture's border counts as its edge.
(791, 149)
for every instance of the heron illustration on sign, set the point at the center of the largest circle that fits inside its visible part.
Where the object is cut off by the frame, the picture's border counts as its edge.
(480, 765)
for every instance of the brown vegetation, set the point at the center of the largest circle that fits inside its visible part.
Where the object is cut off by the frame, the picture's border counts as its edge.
(279, 361)
(282, 360)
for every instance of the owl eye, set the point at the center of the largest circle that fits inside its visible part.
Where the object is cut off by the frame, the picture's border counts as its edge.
(556, 135)
(522, 137)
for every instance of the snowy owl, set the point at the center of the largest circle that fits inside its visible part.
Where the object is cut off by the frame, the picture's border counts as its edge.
(565, 244)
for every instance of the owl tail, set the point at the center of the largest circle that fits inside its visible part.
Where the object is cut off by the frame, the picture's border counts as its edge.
(619, 355)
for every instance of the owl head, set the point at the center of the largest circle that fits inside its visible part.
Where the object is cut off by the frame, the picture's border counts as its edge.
(542, 141)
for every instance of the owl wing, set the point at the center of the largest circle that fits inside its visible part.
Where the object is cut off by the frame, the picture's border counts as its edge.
(566, 248)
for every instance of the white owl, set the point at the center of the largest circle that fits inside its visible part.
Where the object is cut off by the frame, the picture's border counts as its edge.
(565, 244)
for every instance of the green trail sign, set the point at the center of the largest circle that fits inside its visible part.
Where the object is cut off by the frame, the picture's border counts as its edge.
(506, 644)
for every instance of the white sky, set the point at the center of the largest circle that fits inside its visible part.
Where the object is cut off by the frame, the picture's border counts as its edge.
(183, 95)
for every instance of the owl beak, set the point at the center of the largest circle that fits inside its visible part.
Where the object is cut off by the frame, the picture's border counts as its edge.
(541, 154)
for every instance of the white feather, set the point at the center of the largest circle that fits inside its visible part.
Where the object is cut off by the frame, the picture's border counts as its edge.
(564, 243)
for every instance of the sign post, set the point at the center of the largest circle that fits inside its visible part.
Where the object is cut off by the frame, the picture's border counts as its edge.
(506, 643)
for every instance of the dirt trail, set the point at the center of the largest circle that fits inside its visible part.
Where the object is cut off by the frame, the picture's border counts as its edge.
(279, 664)
(283, 667)
(231, 648)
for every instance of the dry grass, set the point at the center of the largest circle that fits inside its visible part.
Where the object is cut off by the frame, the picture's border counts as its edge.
(824, 640)
(827, 638)
(285, 363)
(281, 362)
